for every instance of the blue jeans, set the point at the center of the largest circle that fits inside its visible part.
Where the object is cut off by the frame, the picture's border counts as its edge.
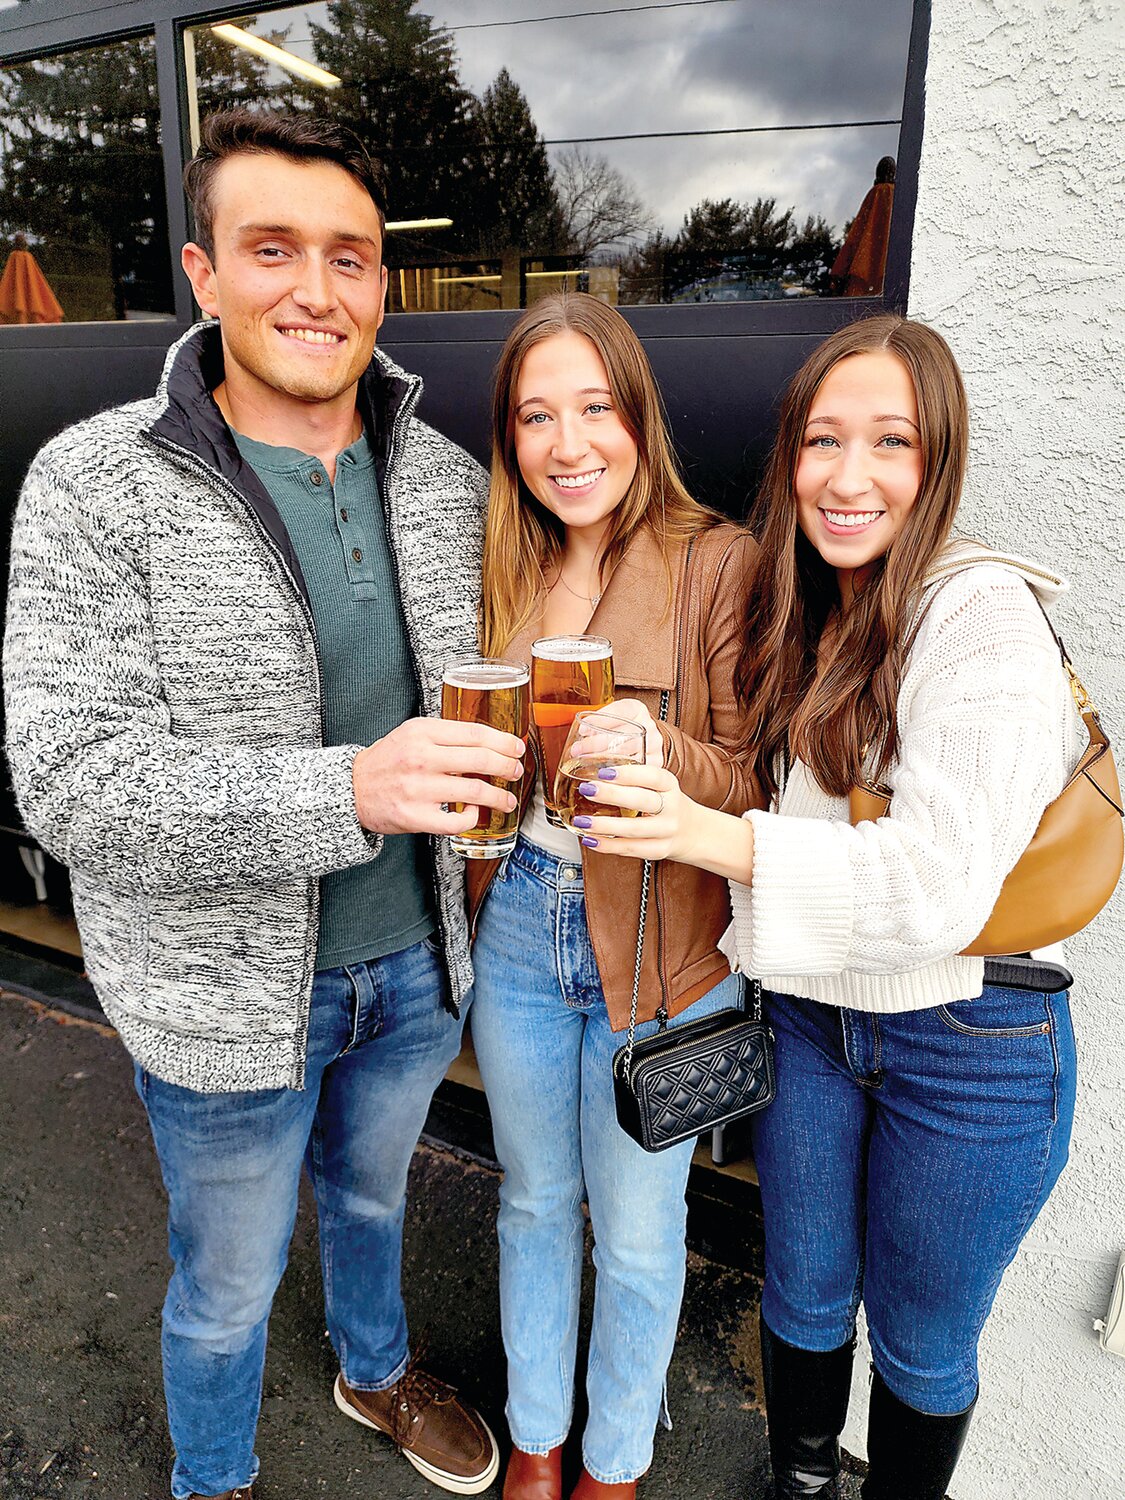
(901, 1163)
(545, 1048)
(379, 1042)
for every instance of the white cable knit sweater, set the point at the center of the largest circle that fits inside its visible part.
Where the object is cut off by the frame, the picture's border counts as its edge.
(874, 917)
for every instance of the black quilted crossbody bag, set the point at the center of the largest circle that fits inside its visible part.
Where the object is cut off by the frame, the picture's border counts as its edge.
(685, 1080)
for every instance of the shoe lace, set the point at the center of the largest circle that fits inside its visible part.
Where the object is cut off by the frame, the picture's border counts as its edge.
(416, 1390)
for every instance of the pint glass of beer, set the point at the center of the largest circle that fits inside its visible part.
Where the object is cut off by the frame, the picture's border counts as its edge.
(482, 690)
(568, 673)
(595, 740)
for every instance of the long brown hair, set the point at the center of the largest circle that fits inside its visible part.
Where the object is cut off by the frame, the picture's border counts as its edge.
(522, 538)
(844, 724)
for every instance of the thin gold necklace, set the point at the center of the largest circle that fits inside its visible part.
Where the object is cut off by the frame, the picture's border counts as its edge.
(593, 599)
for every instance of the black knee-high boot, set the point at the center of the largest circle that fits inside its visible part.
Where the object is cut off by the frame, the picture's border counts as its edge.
(806, 1403)
(910, 1454)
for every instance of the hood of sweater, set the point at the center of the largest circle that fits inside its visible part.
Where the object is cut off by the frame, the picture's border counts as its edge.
(961, 552)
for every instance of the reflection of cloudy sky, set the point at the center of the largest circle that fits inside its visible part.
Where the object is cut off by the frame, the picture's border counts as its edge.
(634, 67)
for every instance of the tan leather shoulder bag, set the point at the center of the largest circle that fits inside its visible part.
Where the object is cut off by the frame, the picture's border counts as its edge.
(1070, 869)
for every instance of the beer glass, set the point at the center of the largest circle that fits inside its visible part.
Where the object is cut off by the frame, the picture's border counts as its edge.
(569, 673)
(595, 740)
(483, 690)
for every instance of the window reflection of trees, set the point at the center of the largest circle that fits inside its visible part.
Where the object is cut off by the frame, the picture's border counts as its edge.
(82, 176)
(728, 251)
(523, 221)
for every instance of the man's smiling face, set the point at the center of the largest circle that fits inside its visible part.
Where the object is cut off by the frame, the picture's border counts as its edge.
(296, 279)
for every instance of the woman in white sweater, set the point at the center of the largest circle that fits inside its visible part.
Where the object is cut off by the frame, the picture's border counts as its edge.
(922, 1115)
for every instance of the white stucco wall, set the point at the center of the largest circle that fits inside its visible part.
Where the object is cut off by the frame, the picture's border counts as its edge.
(1018, 261)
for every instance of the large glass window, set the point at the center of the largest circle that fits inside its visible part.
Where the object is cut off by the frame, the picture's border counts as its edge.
(83, 218)
(682, 152)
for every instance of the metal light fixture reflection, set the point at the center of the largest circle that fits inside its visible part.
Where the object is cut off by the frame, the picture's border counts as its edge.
(419, 224)
(237, 37)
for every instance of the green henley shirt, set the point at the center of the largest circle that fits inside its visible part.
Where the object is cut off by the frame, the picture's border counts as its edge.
(367, 678)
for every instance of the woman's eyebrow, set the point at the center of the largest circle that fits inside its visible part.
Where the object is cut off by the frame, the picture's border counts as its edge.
(589, 390)
(886, 417)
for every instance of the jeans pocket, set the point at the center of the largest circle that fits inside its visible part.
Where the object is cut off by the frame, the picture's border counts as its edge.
(999, 1012)
(432, 946)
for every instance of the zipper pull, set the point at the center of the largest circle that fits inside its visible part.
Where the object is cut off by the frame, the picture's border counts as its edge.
(662, 1019)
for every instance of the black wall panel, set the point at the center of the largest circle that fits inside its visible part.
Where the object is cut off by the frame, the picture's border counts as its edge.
(720, 392)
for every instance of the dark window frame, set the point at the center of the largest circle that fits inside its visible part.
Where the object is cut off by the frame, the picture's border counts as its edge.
(29, 32)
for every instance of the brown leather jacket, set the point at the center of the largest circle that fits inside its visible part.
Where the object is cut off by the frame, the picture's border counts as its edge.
(687, 641)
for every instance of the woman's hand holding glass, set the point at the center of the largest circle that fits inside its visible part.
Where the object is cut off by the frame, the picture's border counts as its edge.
(668, 824)
(635, 711)
(656, 812)
(595, 743)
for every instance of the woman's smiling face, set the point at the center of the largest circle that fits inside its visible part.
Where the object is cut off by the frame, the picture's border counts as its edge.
(860, 466)
(574, 452)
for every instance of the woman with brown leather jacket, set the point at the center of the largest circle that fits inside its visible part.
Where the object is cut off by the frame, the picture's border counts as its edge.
(590, 527)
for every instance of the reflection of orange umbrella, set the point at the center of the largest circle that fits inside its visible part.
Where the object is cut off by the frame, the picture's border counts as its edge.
(858, 269)
(25, 296)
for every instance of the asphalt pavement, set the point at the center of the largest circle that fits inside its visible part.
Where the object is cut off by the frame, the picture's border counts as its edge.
(83, 1267)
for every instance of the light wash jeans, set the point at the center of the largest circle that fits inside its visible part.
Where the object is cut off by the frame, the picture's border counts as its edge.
(545, 1049)
(379, 1043)
(902, 1162)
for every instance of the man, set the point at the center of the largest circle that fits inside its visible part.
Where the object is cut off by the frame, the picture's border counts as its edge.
(230, 604)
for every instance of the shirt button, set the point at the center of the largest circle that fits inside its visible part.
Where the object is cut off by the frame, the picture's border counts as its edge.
(317, 478)
(343, 515)
(357, 554)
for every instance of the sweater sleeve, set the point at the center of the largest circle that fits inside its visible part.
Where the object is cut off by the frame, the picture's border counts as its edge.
(983, 751)
(101, 780)
(713, 773)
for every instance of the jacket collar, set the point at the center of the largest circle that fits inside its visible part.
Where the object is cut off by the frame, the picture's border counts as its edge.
(193, 367)
(639, 611)
(644, 649)
(189, 419)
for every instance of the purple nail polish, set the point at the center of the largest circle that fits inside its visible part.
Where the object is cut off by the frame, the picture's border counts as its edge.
(583, 822)
(588, 842)
(607, 773)
(587, 789)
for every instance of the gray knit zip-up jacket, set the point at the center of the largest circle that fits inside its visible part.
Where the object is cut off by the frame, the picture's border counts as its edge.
(164, 720)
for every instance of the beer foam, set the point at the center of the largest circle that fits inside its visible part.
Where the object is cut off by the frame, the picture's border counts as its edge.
(572, 648)
(485, 674)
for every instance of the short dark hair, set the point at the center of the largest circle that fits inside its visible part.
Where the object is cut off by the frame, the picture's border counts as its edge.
(239, 132)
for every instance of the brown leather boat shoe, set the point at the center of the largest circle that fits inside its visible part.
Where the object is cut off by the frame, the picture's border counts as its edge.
(534, 1476)
(448, 1442)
